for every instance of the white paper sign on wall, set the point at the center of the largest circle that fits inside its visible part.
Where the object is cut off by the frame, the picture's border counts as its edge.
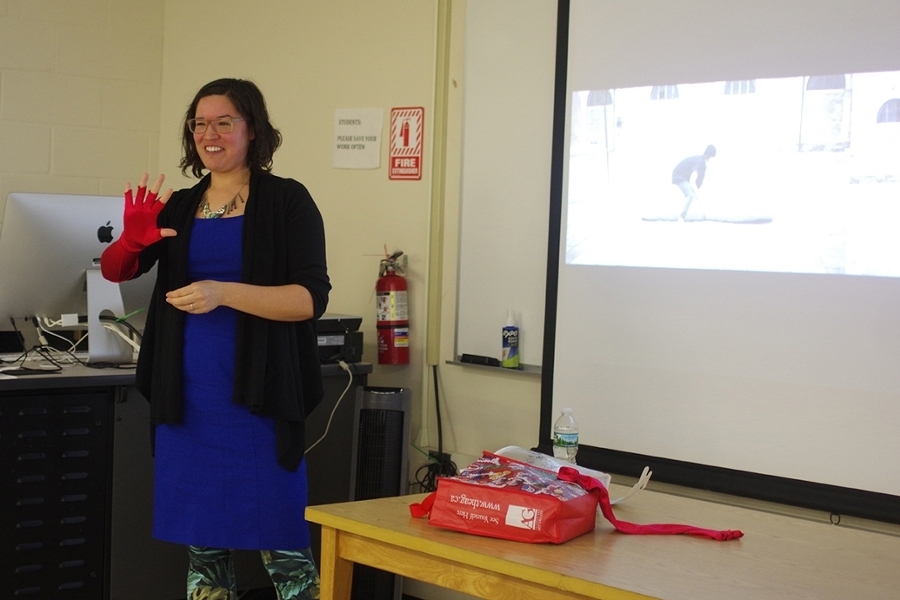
(357, 138)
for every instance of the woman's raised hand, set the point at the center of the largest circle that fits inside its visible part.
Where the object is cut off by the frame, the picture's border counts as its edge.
(141, 210)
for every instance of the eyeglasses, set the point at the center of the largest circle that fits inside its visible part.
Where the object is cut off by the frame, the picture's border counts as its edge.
(220, 125)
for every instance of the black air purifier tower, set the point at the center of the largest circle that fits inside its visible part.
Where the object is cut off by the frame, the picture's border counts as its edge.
(379, 469)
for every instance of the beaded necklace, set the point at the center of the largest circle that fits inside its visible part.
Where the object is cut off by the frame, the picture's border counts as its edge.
(225, 209)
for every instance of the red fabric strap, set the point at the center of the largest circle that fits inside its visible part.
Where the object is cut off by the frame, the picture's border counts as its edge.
(421, 509)
(592, 485)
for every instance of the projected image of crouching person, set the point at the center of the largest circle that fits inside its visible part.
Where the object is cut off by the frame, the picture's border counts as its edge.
(688, 175)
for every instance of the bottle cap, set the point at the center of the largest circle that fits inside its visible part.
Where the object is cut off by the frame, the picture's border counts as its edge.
(567, 411)
(510, 319)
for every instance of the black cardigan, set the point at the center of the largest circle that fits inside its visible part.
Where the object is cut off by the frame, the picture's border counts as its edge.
(277, 370)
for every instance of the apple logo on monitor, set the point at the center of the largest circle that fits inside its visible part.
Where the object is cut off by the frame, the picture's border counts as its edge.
(104, 233)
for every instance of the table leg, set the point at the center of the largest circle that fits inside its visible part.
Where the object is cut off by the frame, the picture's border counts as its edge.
(336, 574)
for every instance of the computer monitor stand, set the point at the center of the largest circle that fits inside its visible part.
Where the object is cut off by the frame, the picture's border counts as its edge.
(105, 298)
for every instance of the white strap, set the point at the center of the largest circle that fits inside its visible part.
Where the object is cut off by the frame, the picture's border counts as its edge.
(641, 484)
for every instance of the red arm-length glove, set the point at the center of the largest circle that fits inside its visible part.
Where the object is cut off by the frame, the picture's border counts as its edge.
(119, 261)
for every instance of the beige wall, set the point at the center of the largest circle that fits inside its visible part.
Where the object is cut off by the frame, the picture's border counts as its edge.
(92, 93)
(79, 94)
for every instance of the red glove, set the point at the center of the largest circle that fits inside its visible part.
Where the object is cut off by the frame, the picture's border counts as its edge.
(119, 261)
(140, 228)
(118, 265)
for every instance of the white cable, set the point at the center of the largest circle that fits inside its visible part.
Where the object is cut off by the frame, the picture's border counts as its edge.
(60, 358)
(78, 343)
(345, 367)
(49, 323)
(40, 332)
(122, 335)
(56, 335)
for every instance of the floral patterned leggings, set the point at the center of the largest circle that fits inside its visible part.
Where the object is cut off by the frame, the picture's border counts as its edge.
(211, 574)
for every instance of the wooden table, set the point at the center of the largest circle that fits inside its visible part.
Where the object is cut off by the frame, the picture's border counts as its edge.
(780, 556)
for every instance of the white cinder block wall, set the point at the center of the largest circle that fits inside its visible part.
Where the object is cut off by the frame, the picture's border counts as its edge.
(79, 94)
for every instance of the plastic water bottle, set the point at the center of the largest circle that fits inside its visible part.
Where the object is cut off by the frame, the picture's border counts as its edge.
(565, 437)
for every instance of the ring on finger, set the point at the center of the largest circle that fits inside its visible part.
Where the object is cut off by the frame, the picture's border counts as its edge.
(192, 306)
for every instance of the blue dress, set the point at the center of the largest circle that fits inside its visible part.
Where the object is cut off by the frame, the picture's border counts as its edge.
(217, 479)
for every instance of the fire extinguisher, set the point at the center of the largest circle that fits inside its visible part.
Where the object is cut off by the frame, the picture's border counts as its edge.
(392, 324)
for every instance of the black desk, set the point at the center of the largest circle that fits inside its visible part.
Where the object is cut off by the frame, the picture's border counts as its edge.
(76, 479)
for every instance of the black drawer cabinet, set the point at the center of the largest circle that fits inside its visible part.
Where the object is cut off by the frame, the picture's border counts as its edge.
(76, 487)
(55, 456)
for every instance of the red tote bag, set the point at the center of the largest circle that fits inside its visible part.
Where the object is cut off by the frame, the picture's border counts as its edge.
(499, 497)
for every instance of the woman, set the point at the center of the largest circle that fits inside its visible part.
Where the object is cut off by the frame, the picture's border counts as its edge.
(229, 360)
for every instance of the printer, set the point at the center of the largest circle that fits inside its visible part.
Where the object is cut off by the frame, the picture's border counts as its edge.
(339, 338)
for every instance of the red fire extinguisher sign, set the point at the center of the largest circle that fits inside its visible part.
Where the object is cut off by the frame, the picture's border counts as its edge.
(392, 313)
(407, 125)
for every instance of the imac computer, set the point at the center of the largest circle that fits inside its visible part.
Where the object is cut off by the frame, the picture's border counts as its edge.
(50, 247)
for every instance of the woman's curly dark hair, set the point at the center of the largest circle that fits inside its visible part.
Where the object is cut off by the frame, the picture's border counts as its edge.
(249, 102)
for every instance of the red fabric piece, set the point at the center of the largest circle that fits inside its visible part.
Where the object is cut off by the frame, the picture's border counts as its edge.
(421, 509)
(592, 485)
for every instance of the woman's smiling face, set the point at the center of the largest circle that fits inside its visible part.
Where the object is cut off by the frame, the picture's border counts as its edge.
(222, 152)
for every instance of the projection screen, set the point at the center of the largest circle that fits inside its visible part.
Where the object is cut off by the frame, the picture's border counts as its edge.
(728, 290)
